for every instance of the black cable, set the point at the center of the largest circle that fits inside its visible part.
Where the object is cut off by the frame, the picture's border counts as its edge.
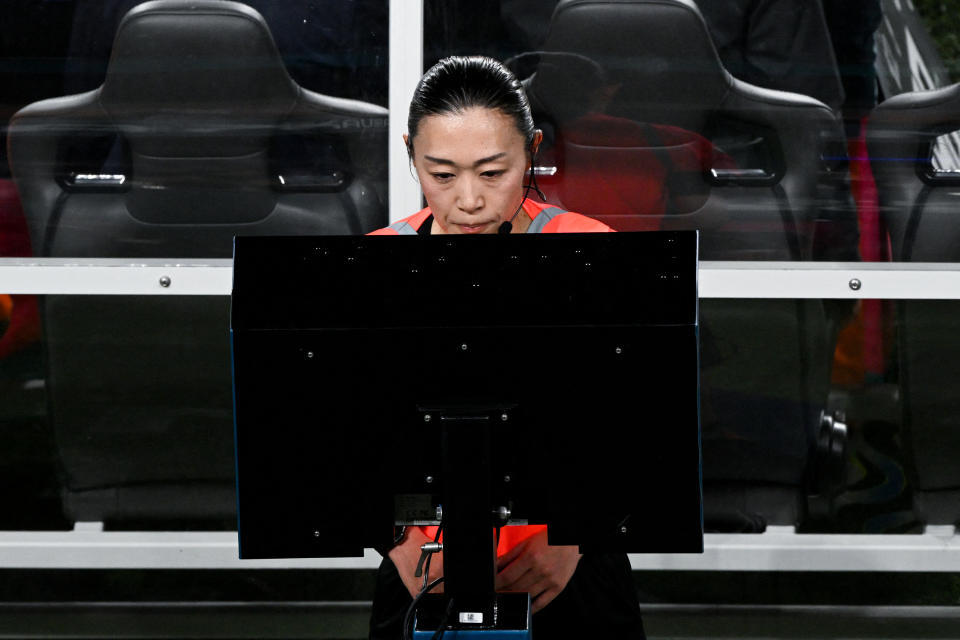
(426, 571)
(532, 182)
(408, 618)
(442, 627)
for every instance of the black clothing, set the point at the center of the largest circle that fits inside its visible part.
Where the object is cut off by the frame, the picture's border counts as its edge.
(852, 26)
(777, 44)
(600, 601)
(424, 229)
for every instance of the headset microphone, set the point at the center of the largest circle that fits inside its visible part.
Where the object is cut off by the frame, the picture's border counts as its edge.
(507, 225)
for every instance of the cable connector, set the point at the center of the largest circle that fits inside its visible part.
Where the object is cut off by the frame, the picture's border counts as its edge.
(426, 549)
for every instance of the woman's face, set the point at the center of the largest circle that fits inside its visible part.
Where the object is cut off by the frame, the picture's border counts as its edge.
(471, 167)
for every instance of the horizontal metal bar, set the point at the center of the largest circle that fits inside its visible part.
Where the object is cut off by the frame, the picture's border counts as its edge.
(775, 550)
(926, 281)
(116, 277)
(169, 620)
(90, 549)
(863, 612)
(886, 281)
(780, 549)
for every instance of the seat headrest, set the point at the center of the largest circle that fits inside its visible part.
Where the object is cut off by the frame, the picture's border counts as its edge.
(920, 113)
(200, 56)
(658, 51)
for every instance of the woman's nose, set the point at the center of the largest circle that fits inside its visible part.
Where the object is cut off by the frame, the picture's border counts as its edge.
(469, 197)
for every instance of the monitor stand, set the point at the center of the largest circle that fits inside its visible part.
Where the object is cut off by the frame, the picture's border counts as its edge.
(469, 603)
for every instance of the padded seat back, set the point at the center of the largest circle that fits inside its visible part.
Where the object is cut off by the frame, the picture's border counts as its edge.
(919, 205)
(647, 130)
(619, 60)
(197, 134)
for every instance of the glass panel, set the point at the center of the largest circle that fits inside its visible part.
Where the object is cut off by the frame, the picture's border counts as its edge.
(28, 462)
(203, 125)
(335, 48)
(779, 383)
(643, 130)
(780, 377)
(123, 409)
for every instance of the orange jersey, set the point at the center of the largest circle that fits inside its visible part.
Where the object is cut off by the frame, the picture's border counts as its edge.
(546, 218)
(509, 536)
(6, 307)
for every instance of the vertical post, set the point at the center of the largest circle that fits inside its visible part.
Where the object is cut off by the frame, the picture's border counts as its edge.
(469, 547)
(406, 67)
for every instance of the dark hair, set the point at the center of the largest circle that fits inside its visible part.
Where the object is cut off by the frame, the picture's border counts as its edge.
(458, 83)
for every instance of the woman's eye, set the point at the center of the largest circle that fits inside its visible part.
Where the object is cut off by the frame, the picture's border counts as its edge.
(442, 177)
(492, 174)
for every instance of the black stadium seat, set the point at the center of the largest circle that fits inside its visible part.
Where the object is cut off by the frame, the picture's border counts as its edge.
(919, 204)
(197, 134)
(633, 98)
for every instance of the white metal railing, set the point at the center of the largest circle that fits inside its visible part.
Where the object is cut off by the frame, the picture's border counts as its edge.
(778, 549)
(716, 279)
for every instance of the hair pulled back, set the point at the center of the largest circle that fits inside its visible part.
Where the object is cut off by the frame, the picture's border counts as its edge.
(458, 83)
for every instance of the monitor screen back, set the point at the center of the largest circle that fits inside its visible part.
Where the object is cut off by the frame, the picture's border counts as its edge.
(580, 349)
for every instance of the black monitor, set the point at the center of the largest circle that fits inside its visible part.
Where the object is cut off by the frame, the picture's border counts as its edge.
(549, 378)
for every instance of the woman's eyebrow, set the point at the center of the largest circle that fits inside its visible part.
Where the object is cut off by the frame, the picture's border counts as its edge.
(476, 164)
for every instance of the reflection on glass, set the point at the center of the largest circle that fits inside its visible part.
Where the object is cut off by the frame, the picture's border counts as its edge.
(336, 48)
(645, 129)
(929, 377)
(27, 463)
(946, 155)
(201, 125)
(123, 414)
(912, 145)
(644, 134)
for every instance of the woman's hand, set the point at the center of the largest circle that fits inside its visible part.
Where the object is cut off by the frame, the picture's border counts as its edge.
(537, 568)
(406, 555)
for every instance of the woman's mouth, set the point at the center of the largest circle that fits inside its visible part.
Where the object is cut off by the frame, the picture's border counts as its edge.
(474, 228)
